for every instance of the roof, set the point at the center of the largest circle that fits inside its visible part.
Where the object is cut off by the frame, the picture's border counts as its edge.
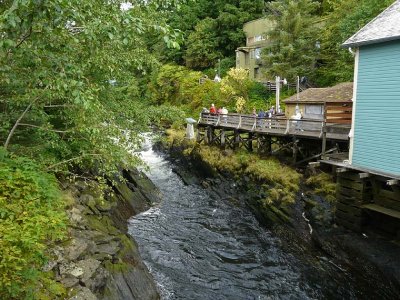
(338, 93)
(385, 27)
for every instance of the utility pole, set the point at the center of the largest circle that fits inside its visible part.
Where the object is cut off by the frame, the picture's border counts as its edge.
(277, 92)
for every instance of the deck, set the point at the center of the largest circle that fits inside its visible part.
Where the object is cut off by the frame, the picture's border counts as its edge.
(277, 126)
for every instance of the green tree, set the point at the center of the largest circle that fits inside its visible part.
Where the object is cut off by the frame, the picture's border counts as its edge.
(67, 79)
(215, 26)
(342, 19)
(202, 50)
(293, 50)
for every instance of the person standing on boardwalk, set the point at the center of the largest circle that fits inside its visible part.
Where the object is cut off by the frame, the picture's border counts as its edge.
(271, 112)
(224, 114)
(213, 110)
(261, 116)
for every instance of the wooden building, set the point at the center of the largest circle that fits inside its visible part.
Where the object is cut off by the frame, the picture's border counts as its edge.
(368, 190)
(249, 57)
(312, 102)
(375, 137)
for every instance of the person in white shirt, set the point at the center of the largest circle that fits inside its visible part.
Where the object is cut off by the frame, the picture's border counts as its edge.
(224, 114)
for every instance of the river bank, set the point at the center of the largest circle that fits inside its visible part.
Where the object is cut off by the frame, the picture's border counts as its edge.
(99, 260)
(306, 223)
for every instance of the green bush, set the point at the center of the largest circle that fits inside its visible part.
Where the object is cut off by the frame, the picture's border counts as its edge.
(323, 185)
(179, 86)
(31, 218)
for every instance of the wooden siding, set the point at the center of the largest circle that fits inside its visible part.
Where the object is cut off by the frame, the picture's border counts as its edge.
(377, 115)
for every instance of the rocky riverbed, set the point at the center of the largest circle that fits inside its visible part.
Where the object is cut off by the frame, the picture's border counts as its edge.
(99, 260)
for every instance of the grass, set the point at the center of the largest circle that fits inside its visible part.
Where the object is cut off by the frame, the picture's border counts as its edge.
(282, 180)
(323, 185)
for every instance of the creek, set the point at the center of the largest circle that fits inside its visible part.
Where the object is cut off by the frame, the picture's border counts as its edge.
(201, 246)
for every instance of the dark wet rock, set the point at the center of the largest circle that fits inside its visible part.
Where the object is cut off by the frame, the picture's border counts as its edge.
(99, 251)
(76, 248)
(98, 280)
(205, 184)
(104, 206)
(69, 282)
(186, 175)
(83, 293)
(108, 249)
(130, 284)
(89, 268)
(86, 198)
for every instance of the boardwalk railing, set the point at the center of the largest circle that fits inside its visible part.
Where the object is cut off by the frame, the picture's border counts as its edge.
(276, 125)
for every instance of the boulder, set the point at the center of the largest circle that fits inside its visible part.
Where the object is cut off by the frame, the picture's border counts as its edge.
(84, 294)
(110, 248)
(75, 216)
(69, 282)
(76, 248)
(70, 269)
(89, 267)
(97, 281)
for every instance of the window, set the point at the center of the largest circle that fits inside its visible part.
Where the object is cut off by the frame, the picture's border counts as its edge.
(258, 38)
(313, 111)
(250, 40)
(257, 53)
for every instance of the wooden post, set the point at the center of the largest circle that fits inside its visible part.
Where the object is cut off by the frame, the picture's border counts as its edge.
(240, 122)
(209, 134)
(236, 143)
(250, 142)
(223, 138)
(324, 134)
(295, 150)
(269, 145)
(198, 135)
(287, 126)
(323, 141)
(259, 144)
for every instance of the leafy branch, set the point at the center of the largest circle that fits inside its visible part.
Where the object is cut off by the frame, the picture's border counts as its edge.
(16, 124)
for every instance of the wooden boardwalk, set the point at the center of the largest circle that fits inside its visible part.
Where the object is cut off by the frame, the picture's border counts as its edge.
(277, 126)
(306, 139)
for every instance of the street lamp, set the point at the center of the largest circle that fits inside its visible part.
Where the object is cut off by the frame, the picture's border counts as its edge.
(218, 75)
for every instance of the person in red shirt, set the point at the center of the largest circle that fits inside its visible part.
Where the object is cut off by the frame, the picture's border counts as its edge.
(213, 110)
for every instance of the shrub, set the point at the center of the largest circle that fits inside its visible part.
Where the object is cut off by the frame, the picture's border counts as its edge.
(323, 185)
(31, 218)
(180, 86)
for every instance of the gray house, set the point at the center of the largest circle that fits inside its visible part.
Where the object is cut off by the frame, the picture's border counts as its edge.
(375, 134)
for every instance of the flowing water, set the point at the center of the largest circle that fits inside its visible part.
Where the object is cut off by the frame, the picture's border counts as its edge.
(200, 247)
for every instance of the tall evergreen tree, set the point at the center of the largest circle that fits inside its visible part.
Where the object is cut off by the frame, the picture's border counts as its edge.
(217, 38)
(294, 47)
(343, 18)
